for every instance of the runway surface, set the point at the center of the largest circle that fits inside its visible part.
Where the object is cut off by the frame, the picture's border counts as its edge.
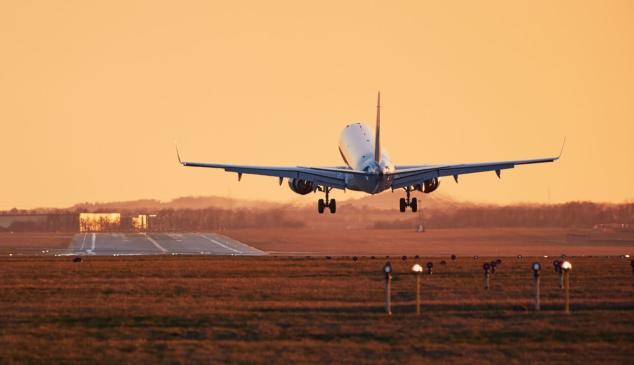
(121, 244)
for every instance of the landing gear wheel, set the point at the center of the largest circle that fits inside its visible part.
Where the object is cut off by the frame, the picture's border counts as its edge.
(414, 205)
(320, 206)
(402, 205)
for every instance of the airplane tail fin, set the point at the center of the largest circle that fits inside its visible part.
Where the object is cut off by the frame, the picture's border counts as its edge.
(377, 136)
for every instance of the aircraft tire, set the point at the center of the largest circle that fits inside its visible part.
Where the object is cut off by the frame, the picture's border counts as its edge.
(402, 205)
(320, 206)
(414, 205)
(333, 206)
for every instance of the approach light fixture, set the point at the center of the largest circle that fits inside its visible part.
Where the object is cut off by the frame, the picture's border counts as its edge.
(566, 265)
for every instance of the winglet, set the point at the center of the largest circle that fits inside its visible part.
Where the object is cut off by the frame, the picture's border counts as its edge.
(562, 148)
(178, 155)
(377, 136)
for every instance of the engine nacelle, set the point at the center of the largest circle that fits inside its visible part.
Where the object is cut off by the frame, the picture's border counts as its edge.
(301, 187)
(428, 185)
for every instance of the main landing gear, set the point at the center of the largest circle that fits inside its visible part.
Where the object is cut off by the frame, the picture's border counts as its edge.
(330, 203)
(406, 202)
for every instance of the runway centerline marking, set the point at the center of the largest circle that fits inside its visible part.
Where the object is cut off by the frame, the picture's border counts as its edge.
(219, 244)
(156, 244)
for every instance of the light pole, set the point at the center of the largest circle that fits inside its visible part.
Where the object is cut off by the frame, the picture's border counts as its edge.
(558, 270)
(632, 263)
(566, 266)
(387, 270)
(417, 269)
(536, 267)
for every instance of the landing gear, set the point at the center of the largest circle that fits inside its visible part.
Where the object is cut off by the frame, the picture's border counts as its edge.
(406, 202)
(330, 203)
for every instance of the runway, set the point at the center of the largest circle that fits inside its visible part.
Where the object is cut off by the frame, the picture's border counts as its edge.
(121, 244)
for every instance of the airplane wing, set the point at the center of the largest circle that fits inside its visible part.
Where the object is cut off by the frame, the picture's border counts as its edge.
(405, 176)
(333, 177)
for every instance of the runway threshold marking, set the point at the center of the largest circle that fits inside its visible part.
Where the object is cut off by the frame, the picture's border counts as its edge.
(83, 242)
(156, 244)
(176, 237)
(219, 244)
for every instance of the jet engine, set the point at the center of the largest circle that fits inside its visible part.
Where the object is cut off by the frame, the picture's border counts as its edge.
(431, 185)
(428, 185)
(301, 187)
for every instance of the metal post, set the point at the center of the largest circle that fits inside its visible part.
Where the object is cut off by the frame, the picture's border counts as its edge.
(567, 289)
(486, 268)
(536, 267)
(632, 263)
(561, 279)
(537, 294)
(418, 294)
(558, 270)
(566, 266)
(387, 270)
(417, 269)
(388, 289)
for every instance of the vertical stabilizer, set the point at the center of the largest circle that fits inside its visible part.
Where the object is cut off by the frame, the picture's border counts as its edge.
(377, 136)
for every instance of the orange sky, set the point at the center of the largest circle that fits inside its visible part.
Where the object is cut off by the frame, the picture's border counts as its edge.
(93, 94)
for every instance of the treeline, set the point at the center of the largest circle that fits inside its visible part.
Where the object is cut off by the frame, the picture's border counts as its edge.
(217, 219)
(59, 222)
(570, 215)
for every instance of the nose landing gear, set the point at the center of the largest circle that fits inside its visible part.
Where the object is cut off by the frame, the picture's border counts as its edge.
(406, 202)
(330, 203)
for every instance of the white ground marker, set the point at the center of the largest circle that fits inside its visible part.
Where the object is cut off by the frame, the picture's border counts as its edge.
(83, 242)
(219, 244)
(155, 243)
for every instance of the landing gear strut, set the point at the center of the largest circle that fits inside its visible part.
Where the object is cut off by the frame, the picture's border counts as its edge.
(330, 203)
(406, 202)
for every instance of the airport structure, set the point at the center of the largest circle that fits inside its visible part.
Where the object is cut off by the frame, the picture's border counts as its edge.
(73, 222)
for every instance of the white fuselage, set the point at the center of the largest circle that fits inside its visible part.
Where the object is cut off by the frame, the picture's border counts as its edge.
(356, 145)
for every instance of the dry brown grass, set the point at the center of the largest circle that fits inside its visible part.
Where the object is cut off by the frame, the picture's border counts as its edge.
(466, 241)
(34, 240)
(174, 310)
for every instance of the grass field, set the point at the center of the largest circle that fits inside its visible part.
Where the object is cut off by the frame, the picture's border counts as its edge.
(172, 310)
(464, 241)
(33, 242)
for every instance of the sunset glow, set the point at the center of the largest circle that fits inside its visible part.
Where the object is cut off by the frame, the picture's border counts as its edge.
(94, 94)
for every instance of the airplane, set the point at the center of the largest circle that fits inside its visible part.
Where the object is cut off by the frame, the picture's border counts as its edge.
(368, 169)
